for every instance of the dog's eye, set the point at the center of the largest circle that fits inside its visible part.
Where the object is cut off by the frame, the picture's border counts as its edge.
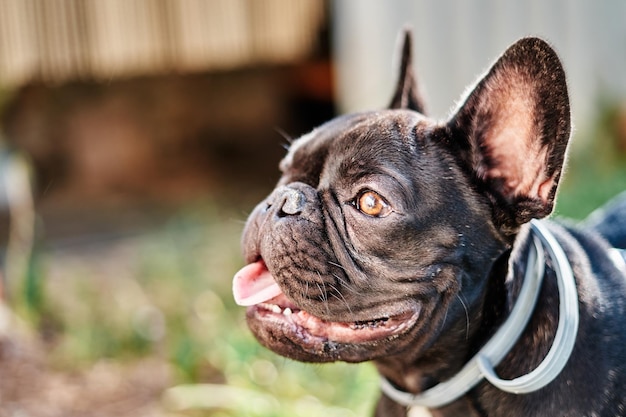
(372, 204)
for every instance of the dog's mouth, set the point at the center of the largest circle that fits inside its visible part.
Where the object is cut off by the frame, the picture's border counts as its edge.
(255, 288)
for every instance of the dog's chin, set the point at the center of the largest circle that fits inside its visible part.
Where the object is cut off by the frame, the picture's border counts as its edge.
(292, 332)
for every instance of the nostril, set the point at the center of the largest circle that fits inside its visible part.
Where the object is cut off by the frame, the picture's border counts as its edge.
(292, 202)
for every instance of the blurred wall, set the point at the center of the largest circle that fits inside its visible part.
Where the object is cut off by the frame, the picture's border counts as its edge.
(456, 40)
(62, 40)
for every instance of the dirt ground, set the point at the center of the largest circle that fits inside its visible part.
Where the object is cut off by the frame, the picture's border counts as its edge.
(29, 386)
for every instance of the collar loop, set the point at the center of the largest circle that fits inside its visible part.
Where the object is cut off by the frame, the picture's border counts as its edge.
(483, 363)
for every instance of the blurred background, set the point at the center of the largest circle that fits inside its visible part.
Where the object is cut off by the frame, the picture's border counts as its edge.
(136, 135)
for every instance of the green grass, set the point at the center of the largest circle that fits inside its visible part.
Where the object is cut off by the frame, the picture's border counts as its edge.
(596, 169)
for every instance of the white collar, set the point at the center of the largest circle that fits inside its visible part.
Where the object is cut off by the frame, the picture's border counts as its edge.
(483, 363)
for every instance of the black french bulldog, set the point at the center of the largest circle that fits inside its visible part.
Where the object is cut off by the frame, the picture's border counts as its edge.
(397, 239)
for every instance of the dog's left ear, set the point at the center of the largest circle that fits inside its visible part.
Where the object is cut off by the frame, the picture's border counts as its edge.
(511, 132)
(407, 95)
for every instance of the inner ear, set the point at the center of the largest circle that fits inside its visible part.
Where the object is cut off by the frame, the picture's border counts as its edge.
(407, 95)
(512, 131)
(507, 138)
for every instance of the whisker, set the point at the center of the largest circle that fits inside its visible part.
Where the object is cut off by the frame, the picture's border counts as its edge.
(445, 317)
(239, 222)
(306, 290)
(286, 137)
(340, 298)
(323, 293)
(337, 265)
(467, 319)
(345, 284)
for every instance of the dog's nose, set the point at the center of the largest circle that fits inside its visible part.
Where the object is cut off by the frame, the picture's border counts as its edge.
(292, 202)
(287, 200)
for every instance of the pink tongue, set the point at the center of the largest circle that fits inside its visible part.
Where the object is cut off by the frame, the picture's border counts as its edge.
(254, 284)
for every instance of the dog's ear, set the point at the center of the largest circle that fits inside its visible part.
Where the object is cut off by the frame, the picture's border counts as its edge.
(407, 95)
(511, 132)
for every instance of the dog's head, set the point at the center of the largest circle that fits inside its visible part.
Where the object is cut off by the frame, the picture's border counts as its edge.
(381, 219)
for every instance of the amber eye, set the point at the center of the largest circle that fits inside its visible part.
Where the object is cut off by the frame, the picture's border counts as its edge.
(372, 204)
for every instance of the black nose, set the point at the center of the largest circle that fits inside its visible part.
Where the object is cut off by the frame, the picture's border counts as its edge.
(292, 202)
(286, 201)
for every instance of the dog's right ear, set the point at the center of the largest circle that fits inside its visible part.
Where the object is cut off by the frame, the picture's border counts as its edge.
(407, 95)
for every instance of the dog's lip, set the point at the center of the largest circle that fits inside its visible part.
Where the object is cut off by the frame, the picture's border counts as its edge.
(283, 312)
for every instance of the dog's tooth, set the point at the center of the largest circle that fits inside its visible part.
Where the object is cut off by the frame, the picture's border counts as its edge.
(287, 311)
(276, 309)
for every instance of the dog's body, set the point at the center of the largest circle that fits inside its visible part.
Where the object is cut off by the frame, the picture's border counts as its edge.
(400, 240)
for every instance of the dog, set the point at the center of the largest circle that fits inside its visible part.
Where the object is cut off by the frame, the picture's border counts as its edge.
(414, 243)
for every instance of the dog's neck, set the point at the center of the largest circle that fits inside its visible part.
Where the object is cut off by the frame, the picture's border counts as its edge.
(524, 292)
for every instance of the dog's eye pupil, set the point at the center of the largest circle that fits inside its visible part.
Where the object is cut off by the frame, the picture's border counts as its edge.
(372, 204)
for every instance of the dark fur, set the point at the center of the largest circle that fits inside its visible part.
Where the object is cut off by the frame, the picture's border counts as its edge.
(450, 256)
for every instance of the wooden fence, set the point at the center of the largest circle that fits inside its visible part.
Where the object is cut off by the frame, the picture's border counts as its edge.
(57, 40)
